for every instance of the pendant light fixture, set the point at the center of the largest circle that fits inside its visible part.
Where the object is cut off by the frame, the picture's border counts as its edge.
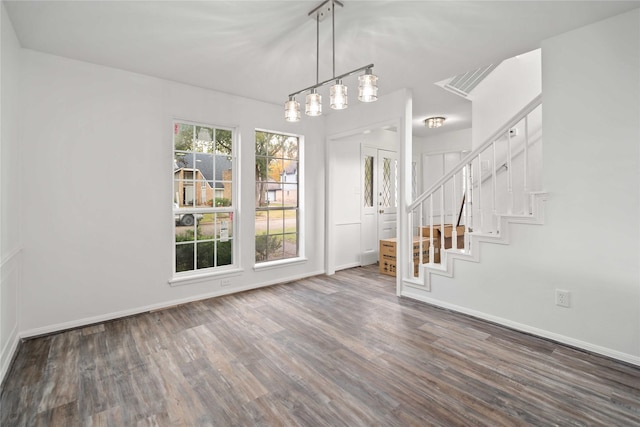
(368, 87)
(368, 82)
(292, 110)
(339, 100)
(314, 104)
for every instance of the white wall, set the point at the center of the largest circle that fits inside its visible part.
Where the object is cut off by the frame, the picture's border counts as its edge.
(9, 192)
(505, 91)
(96, 183)
(590, 244)
(446, 142)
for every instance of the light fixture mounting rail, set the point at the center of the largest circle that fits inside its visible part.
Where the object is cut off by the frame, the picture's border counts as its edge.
(341, 76)
(323, 10)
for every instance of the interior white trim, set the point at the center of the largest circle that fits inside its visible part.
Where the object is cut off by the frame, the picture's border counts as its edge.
(8, 353)
(197, 278)
(143, 309)
(9, 257)
(583, 345)
(268, 265)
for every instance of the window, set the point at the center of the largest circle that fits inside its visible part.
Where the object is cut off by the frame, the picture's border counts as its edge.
(203, 197)
(277, 196)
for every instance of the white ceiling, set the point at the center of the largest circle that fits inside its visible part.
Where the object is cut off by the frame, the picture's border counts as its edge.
(267, 49)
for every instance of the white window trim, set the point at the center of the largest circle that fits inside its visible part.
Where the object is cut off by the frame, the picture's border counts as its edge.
(301, 258)
(279, 263)
(191, 279)
(200, 275)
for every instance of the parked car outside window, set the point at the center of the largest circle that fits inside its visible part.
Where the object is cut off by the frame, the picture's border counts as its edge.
(185, 218)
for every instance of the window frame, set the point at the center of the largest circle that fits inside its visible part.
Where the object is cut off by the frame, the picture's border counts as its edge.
(196, 274)
(300, 256)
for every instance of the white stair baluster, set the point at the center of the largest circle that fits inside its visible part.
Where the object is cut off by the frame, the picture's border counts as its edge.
(442, 218)
(468, 206)
(454, 212)
(525, 178)
(479, 186)
(509, 174)
(495, 224)
(431, 259)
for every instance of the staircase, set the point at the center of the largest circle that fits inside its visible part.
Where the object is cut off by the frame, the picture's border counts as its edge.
(497, 184)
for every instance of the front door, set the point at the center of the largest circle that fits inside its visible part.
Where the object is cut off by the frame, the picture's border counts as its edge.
(379, 170)
(387, 194)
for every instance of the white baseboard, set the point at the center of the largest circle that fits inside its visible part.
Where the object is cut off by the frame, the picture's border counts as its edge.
(45, 330)
(350, 265)
(10, 277)
(583, 345)
(8, 353)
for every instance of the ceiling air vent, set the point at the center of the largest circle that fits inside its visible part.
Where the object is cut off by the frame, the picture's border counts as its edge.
(464, 83)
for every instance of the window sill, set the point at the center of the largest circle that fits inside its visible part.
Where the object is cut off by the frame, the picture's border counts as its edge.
(197, 278)
(279, 263)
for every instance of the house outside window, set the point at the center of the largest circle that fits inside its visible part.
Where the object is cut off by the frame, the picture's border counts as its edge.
(277, 194)
(203, 198)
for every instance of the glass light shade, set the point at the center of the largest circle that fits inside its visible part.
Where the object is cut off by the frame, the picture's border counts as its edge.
(434, 122)
(338, 97)
(368, 87)
(292, 110)
(314, 104)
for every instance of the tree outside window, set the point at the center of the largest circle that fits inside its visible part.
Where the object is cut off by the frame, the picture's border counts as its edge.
(277, 195)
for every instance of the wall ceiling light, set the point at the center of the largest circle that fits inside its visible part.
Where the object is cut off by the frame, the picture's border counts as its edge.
(434, 122)
(368, 82)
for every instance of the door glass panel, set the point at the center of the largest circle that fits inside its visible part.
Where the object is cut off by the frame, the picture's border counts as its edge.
(368, 181)
(386, 183)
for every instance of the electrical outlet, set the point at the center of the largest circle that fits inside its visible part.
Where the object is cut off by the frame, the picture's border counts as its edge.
(225, 282)
(563, 298)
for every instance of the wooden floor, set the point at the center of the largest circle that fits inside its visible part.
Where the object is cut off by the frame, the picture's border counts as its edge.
(325, 351)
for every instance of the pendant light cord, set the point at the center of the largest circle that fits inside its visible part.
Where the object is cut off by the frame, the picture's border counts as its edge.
(317, 48)
(333, 35)
(316, 11)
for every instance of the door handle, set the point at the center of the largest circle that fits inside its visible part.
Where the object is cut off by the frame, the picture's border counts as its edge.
(381, 211)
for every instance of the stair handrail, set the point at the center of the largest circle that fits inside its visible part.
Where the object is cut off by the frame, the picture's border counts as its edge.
(502, 130)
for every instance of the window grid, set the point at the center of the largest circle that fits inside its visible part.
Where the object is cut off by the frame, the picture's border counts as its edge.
(277, 196)
(202, 197)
